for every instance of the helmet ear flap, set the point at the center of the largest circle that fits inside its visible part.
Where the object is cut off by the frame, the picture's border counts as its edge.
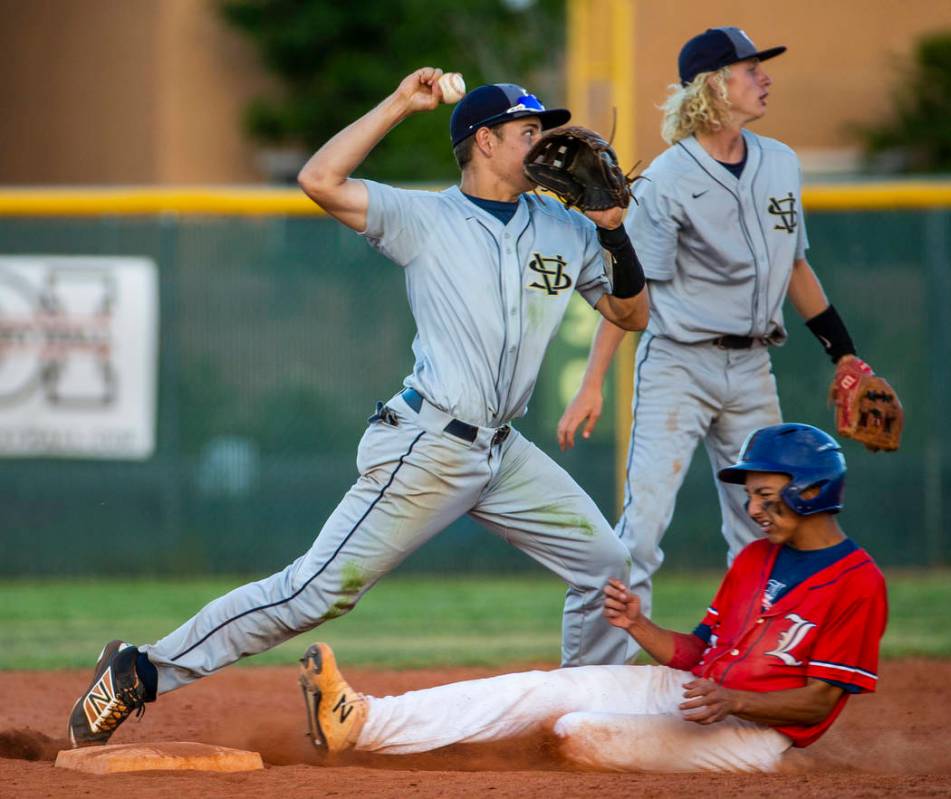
(791, 496)
(813, 490)
(805, 499)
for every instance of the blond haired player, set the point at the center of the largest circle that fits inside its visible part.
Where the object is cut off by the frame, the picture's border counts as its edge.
(719, 229)
(792, 632)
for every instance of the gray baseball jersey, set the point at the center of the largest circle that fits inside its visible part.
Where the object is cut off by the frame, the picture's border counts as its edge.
(487, 299)
(482, 330)
(718, 252)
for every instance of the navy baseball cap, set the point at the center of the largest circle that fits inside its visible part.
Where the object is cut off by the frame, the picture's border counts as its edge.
(716, 48)
(495, 103)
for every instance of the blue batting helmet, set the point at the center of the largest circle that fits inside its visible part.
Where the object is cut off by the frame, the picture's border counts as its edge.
(811, 458)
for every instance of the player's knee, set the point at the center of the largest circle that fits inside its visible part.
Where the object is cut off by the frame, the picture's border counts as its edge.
(646, 554)
(315, 603)
(565, 726)
(613, 742)
(613, 559)
(575, 733)
(605, 558)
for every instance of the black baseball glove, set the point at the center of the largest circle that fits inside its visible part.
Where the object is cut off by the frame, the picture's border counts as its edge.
(580, 167)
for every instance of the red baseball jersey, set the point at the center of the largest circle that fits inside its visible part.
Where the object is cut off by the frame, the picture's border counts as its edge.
(829, 626)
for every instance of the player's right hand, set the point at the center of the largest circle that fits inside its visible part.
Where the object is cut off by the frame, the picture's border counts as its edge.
(587, 405)
(420, 89)
(707, 702)
(621, 607)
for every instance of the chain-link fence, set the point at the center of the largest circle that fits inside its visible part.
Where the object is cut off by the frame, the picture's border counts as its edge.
(278, 333)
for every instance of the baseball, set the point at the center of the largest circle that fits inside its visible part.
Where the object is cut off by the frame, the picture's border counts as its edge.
(452, 86)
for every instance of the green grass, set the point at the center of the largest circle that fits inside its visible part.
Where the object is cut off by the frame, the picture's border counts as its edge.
(403, 622)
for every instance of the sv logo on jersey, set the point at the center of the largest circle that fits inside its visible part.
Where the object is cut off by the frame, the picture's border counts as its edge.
(552, 271)
(785, 209)
(791, 638)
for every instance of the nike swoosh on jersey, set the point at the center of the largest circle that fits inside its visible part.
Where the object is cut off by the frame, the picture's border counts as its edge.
(699, 193)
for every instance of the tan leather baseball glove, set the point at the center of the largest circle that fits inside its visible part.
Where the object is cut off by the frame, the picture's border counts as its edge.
(867, 408)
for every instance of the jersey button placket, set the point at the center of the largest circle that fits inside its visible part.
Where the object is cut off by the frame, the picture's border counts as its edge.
(511, 281)
(514, 326)
(760, 321)
(748, 211)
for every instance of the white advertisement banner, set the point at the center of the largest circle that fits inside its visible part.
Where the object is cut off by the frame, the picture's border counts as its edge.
(78, 356)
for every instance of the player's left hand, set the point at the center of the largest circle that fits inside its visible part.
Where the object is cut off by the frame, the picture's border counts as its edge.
(621, 607)
(609, 218)
(707, 702)
(585, 407)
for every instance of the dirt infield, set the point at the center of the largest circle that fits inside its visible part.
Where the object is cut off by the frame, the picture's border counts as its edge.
(895, 743)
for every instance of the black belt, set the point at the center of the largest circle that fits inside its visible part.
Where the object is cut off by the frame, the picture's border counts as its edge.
(735, 342)
(463, 430)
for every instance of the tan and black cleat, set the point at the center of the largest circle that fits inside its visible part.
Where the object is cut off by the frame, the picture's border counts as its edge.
(113, 695)
(335, 712)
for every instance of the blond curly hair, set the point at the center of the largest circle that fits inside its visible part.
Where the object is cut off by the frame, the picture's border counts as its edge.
(699, 107)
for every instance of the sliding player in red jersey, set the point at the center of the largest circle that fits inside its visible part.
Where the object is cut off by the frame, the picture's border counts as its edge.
(794, 629)
(795, 626)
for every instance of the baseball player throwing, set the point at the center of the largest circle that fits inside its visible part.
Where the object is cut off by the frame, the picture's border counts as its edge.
(793, 630)
(720, 232)
(489, 272)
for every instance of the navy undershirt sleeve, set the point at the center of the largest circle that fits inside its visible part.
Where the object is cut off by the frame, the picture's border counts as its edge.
(849, 689)
(703, 632)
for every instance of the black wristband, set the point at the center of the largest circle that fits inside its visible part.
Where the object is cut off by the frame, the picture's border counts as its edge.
(829, 328)
(613, 238)
(627, 273)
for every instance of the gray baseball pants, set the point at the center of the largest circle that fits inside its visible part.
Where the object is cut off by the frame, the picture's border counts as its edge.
(685, 394)
(415, 479)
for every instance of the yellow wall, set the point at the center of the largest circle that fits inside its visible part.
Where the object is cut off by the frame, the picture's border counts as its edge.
(123, 91)
(842, 68)
(151, 91)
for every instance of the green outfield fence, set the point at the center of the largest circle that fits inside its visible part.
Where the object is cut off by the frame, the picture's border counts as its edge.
(279, 329)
